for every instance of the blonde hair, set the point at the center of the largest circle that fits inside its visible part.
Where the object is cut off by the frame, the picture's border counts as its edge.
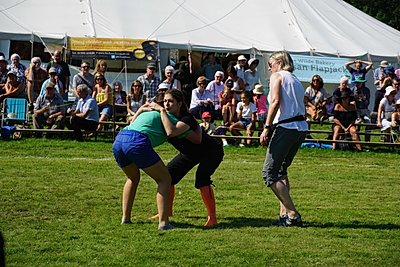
(285, 60)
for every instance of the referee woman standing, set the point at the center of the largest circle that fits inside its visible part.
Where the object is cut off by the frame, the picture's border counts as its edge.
(285, 130)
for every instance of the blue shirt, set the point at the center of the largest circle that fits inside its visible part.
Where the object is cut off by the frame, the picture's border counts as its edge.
(88, 104)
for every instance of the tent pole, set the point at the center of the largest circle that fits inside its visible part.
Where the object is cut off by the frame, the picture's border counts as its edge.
(32, 41)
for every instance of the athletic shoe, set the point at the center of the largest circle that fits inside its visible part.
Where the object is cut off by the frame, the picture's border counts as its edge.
(289, 222)
(280, 220)
(126, 222)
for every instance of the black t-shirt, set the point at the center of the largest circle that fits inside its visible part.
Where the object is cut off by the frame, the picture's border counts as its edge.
(207, 145)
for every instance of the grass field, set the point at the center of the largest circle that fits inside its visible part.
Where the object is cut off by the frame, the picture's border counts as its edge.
(60, 206)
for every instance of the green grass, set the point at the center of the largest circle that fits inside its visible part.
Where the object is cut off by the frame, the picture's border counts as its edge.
(60, 206)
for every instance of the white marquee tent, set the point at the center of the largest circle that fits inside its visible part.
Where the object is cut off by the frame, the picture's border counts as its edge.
(330, 27)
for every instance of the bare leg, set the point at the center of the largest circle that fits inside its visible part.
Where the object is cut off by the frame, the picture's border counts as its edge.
(336, 131)
(102, 118)
(355, 137)
(129, 192)
(282, 192)
(283, 210)
(162, 177)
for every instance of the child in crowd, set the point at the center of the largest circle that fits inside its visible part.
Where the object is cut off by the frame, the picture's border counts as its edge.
(228, 103)
(260, 100)
(207, 126)
(246, 114)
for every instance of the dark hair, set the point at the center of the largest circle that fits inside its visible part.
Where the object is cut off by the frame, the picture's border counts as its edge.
(159, 98)
(179, 97)
(321, 81)
(248, 95)
(231, 70)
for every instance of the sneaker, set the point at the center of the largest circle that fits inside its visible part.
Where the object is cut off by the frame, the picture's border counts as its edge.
(289, 222)
(126, 222)
(280, 220)
(166, 227)
(241, 145)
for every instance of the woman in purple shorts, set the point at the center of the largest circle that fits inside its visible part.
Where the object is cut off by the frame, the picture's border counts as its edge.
(133, 150)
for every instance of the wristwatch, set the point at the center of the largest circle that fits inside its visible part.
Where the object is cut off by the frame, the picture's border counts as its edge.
(267, 126)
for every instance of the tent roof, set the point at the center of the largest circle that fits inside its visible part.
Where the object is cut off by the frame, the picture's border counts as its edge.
(328, 27)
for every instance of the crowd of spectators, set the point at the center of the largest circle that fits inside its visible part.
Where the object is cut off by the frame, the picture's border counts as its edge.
(233, 95)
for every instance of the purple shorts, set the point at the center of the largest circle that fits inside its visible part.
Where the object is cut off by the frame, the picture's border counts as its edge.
(132, 146)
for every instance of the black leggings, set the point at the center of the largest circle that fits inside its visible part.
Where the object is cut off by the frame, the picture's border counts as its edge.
(179, 166)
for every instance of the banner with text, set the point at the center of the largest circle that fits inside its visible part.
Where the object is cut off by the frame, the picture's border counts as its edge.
(113, 48)
(331, 69)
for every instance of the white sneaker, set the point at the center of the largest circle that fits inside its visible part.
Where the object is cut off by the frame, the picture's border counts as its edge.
(241, 145)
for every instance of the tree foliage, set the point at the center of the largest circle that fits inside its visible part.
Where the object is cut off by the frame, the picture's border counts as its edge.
(387, 11)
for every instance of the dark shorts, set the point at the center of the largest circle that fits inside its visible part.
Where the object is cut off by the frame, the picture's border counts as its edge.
(134, 147)
(245, 122)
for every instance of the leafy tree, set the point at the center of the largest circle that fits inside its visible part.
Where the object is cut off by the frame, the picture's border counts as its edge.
(386, 11)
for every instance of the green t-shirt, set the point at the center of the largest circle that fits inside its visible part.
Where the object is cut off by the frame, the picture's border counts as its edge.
(150, 124)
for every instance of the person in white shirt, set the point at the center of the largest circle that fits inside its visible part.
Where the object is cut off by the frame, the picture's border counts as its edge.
(240, 66)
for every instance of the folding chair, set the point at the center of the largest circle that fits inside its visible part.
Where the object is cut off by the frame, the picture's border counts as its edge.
(15, 111)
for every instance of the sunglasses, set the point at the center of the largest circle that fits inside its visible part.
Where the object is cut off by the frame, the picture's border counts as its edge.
(202, 83)
(136, 86)
(99, 79)
(85, 67)
(315, 80)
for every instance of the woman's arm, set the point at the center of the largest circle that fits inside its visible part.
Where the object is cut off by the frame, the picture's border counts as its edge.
(381, 108)
(128, 105)
(195, 136)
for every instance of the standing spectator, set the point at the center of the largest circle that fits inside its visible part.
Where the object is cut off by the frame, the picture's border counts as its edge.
(12, 88)
(171, 82)
(53, 78)
(378, 73)
(357, 70)
(238, 83)
(362, 97)
(260, 100)
(63, 72)
(103, 95)
(201, 99)
(385, 81)
(83, 77)
(211, 67)
(3, 73)
(149, 81)
(18, 68)
(286, 111)
(86, 114)
(246, 114)
(396, 86)
(135, 99)
(345, 116)
(316, 98)
(251, 76)
(215, 87)
(35, 77)
(49, 109)
(240, 66)
(101, 67)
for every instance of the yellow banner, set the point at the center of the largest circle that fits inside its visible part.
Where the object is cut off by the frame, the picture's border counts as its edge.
(104, 44)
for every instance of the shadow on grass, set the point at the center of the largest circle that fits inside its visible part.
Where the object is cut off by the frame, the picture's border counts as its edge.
(353, 225)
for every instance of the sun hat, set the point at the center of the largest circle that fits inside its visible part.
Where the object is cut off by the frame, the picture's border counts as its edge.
(163, 86)
(11, 73)
(359, 79)
(254, 61)
(3, 59)
(206, 114)
(241, 57)
(384, 63)
(258, 89)
(389, 90)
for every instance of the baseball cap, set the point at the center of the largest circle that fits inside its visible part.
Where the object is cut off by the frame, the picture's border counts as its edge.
(206, 114)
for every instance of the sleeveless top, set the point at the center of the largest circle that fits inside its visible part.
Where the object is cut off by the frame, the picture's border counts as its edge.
(100, 96)
(135, 105)
(291, 102)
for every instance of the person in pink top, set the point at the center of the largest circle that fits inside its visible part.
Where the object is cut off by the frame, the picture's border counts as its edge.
(397, 72)
(260, 100)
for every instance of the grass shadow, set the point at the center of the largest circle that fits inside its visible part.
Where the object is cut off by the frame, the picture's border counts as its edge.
(353, 225)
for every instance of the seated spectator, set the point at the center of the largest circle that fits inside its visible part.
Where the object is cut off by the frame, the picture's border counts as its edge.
(362, 95)
(119, 98)
(395, 123)
(251, 75)
(396, 86)
(86, 114)
(215, 87)
(201, 99)
(3, 73)
(12, 88)
(171, 82)
(356, 69)
(240, 67)
(49, 110)
(246, 115)
(211, 67)
(260, 100)
(53, 78)
(238, 83)
(385, 110)
(18, 68)
(345, 116)
(101, 67)
(343, 87)
(397, 73)
(207, 126)
(35, 76)
(102, 94)
(135, 99)
(227, 103)
(316, 98)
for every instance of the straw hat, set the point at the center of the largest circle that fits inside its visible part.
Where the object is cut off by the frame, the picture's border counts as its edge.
(258, 89)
